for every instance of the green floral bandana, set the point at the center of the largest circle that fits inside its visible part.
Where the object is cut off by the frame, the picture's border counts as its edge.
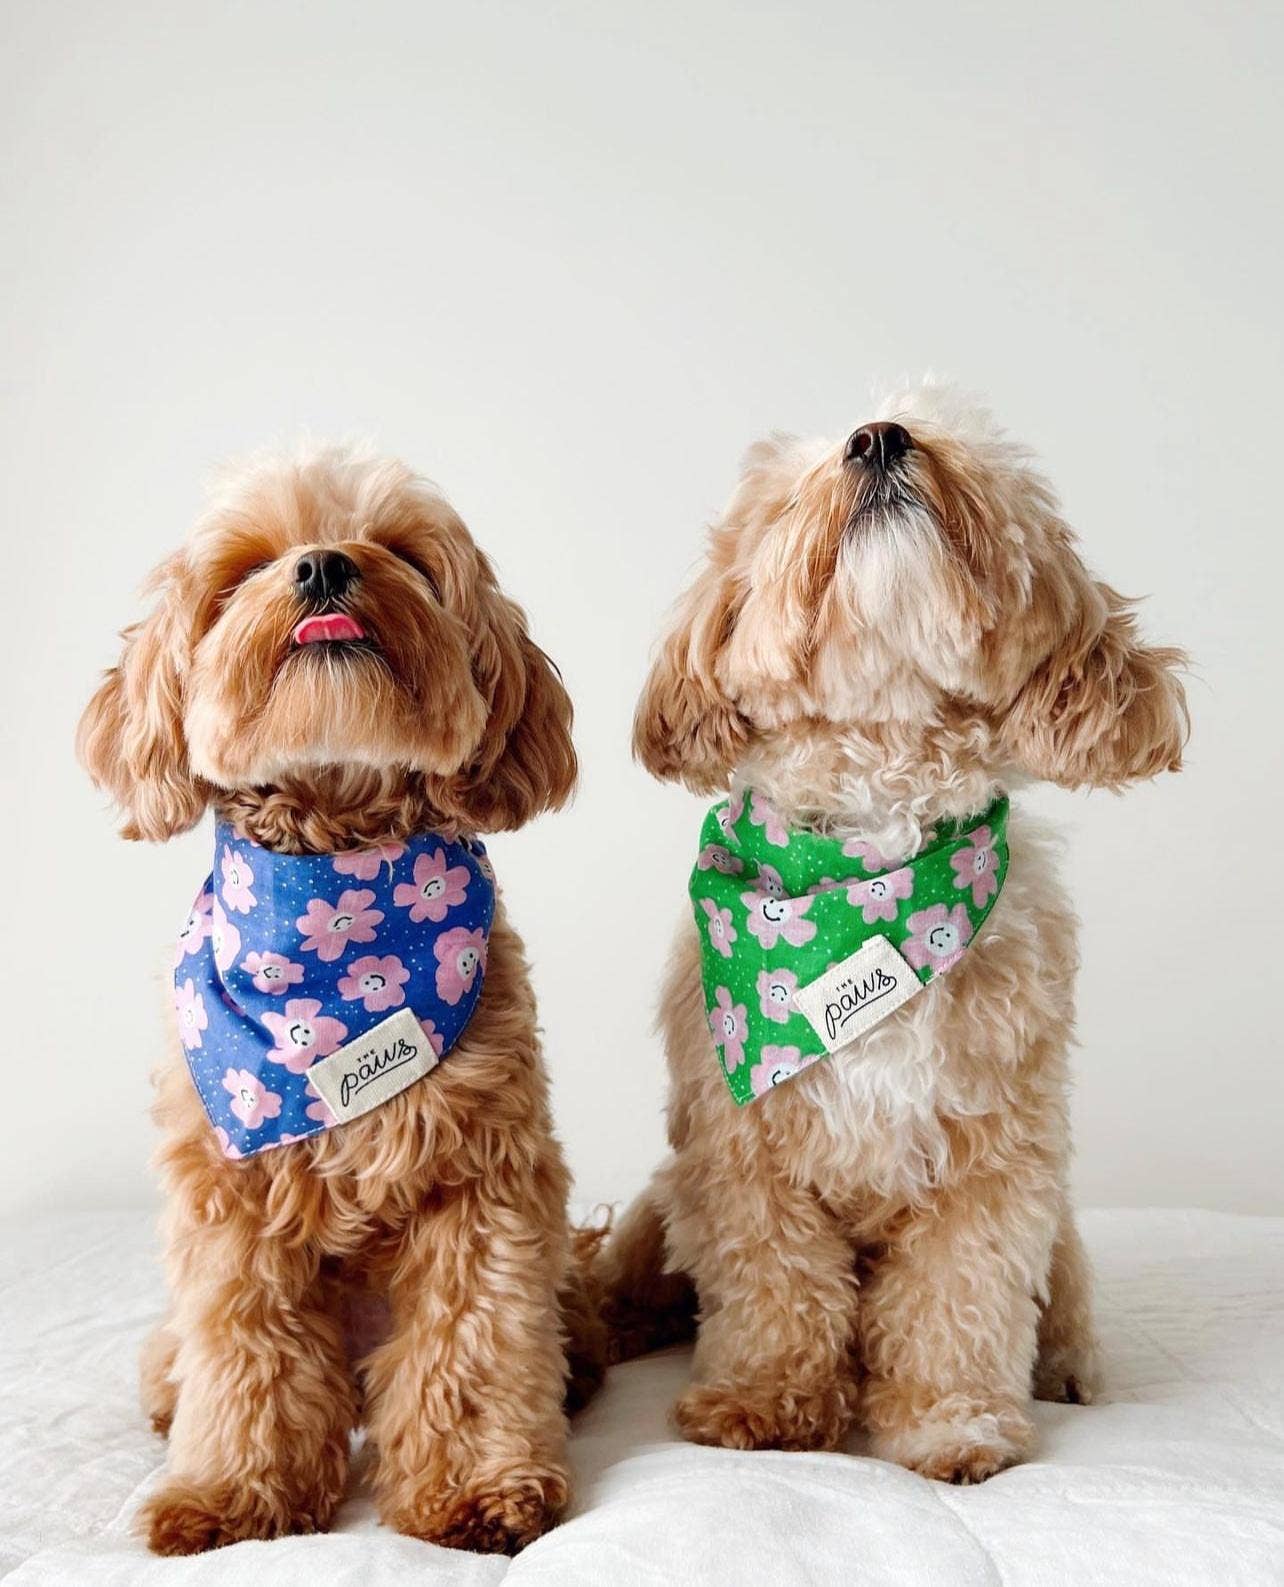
(805, 941)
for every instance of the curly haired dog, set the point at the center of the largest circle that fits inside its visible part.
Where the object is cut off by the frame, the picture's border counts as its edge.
(887, 632)
(449, 1200)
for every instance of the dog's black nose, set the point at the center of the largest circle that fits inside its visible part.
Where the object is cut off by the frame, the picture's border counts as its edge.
(323, 575)
(879, 445)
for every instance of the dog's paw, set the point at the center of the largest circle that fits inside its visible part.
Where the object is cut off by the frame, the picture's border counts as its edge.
(963, 1447)
(1067, 1377)
(191, 1517)
(498, 1517)
(743, 1417)
(161, 1418)
(157, 1389)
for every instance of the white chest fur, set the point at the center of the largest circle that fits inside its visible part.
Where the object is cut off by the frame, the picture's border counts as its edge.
(886, 1100)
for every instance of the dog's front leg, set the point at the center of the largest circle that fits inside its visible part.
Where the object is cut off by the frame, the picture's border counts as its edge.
(466, 1395)
(949, 1321)
(259, 1440)
(778, 1306)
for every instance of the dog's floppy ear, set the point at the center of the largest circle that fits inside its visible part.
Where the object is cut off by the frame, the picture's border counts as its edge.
(686, 728)
(526, 762)
(130, 738)
(1103, 708)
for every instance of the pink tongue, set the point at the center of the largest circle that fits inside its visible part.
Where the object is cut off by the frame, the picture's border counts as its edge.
(331, 625)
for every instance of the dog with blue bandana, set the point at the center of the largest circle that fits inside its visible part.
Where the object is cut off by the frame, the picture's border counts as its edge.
(354, 1112)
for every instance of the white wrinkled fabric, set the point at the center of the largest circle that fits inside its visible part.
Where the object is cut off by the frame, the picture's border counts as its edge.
(1176, 1478)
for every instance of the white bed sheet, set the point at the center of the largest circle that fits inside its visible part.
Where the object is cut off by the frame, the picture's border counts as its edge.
(1177, 1477)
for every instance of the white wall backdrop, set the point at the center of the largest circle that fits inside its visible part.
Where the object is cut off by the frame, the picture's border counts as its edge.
(569, 259)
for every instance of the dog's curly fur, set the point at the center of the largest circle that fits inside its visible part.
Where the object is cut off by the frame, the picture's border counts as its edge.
(890, 1232)
(448, 1202)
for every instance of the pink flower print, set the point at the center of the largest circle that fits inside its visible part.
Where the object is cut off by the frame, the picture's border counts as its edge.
(303, 1034)
(192, 1018)
(713, 857)
(770, 919)
(873, 861)
(977, 867)
(776, 990)
(273, 973)
(377, 982)
(774, 1065)
(435, 1039)
(770, 881)
(237, 881)
(730, 1027)
(721, 932)
(318, 1108)
(939, 937)
(731, 813)
(878, 898)
(762, 815)
(736, 805)
(195, 928)
(365, 864)
(460, 954)
(329, 928)
(225, 939)
(225, 1141)
(434, 889)
(252, 1102)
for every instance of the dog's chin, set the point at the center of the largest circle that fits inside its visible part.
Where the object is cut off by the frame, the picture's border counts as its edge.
(871, 517)
(333, 705)
(335, 674)
(332, 652)
(883, 504)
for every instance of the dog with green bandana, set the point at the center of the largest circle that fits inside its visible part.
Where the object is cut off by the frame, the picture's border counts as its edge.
(867, 1017)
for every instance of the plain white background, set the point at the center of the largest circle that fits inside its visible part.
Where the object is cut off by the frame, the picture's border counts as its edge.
(570, 259)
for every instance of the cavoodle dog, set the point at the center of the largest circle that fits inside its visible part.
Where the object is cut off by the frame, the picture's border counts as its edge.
(867, 1024)
(355, 1107)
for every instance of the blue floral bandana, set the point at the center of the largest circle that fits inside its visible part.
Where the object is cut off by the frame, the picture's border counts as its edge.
(310, 988)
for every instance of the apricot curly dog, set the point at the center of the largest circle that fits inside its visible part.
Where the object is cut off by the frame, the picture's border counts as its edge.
(330, 665)
(888, 634)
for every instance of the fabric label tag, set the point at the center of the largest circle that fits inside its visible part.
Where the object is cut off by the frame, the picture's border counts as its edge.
(375, 1067)
(854, 995)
